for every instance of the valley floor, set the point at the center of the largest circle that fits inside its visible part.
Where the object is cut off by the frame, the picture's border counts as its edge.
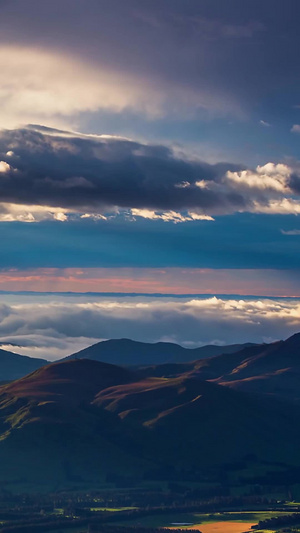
(128, 511)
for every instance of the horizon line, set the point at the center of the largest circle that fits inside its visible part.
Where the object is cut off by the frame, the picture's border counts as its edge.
(147, 294)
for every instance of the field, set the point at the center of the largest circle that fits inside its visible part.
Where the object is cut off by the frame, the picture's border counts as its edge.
(112, 509)
(129, 511)
(231, 522)
(223, 527)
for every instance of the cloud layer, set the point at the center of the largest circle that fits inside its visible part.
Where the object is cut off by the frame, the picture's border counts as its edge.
(48, 173)
(52, 327)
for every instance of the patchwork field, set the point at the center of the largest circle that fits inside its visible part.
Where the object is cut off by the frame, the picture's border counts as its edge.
(222, 527)
(231, 522)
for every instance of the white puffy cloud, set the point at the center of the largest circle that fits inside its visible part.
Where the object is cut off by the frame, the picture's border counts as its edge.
(268, 189)
(169, 216)
(269, 177)
(31, 213)
(4, 167)
(284, 206)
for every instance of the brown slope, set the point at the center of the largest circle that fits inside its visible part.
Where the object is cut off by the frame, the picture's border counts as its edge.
(206, 369)
(84, 420)
(268, 368)
(195, 423)
(274, 370)
(51, 434)
(72, 381)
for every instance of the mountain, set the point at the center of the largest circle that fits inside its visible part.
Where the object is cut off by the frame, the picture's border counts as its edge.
(132, 353)
(270, 369)
(52, 435)
(82, 423)
(70, 383)
(194, 423)
(273, 370)
(14, 366)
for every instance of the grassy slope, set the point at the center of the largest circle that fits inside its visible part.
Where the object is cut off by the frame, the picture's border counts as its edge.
(272, 369)
(51, 433)
(199, 423)
(82, 420)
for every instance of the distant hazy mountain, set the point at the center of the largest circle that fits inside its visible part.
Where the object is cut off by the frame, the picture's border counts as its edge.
(14, 366)
(132, 353)
(83, 422)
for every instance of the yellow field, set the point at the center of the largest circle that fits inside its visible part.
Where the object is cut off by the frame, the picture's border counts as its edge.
(221, 527)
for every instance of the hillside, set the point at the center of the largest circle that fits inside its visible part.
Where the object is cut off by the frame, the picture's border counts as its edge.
(63, 439)
(270, 369)
(200, 423)
(274, 370)
(133, 353)
(84, 422)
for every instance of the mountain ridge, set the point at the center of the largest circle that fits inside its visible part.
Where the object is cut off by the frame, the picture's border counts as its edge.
(269, 369)
(14, 366)
(135, 353)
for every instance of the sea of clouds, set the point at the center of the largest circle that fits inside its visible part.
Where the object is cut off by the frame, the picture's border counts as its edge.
(53, 326)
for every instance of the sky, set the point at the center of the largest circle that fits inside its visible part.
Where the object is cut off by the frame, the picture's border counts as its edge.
(153, 148)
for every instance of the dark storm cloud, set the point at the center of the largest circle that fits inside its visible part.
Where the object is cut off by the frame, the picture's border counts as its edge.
(295, 182)
(88, 174)
(84, 172)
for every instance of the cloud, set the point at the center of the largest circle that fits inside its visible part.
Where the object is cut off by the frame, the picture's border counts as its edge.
(283, 206)
(169, 216)
(270, 177)
(42, 85)
(60, 175)
(49, 328)
(4, 167)
(109, 58)
(46, 85)
(295, 128)
(205, 28)
(264, 123)
(290, 232)
(30, 213)
(73, 60)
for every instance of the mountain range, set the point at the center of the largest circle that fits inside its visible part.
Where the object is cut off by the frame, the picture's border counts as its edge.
(270, 369)
(133, 353)
(124, 352)
(81, 422)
